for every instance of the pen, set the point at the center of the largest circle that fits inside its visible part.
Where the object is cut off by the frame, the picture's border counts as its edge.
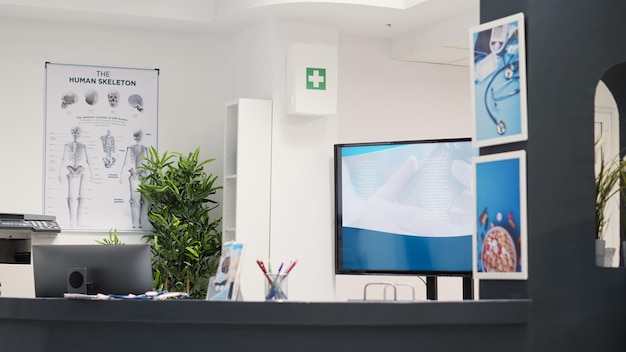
(291, 265)
(264, 270)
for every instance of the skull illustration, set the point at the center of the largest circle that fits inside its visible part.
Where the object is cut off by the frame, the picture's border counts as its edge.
(114, 98)
(136, 102)
(91, 96)
(68, 98)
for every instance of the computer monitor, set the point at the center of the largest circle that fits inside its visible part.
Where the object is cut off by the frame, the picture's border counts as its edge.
(91, 269)
(404, 208)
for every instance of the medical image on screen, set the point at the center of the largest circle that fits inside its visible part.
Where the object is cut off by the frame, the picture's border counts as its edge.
(405, 207)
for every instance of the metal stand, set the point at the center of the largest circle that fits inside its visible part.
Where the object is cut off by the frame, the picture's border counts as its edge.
(431, 288)
(392, 286)
(468, 288)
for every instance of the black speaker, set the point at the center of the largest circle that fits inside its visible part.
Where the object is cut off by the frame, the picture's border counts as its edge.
(80, 280)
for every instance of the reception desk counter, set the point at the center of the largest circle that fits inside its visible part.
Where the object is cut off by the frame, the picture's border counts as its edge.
(186, 325)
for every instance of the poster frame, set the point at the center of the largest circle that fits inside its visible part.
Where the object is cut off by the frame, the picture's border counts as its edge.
(499, 117)
(504, 212)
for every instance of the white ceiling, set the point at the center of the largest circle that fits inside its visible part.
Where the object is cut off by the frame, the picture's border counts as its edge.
(420, 30)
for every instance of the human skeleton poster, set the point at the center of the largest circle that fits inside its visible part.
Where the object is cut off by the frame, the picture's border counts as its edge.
(99, 125)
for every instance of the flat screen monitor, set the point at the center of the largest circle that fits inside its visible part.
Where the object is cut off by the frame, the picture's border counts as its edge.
(91, 269)
(404, 207)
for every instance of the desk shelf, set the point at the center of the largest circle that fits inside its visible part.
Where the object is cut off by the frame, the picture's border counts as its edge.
(247, 184)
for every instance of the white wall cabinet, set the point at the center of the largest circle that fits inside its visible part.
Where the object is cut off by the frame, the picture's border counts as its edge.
(246, 192)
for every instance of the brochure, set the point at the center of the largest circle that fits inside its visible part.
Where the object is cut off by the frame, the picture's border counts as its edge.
(225, 284)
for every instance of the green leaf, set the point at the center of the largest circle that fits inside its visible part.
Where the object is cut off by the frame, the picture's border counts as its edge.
(113, 239)
(608, 182)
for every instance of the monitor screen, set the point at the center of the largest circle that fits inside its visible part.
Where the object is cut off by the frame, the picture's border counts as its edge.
(404, 207)
(91, 269)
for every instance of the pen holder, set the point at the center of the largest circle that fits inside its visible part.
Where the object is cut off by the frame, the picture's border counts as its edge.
(276, 290)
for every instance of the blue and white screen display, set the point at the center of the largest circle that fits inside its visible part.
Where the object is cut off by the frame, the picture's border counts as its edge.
(404, 207)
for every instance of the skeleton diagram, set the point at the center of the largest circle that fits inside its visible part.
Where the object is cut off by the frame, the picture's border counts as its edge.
(74, 161)
(108, 145)
(134, 156)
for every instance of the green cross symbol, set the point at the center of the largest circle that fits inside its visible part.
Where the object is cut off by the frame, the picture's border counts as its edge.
(316, 78)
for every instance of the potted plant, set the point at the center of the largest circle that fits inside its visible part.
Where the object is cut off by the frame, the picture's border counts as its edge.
(608, 182)
(186, 243)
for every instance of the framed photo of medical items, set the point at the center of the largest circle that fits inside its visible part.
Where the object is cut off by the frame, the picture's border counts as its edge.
(99, 125)
(498, 81)
(500, 231)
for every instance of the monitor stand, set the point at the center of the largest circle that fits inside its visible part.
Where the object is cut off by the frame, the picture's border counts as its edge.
(468, 288)
(431, 288)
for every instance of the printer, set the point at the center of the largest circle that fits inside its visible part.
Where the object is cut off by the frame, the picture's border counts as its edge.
(16, 232)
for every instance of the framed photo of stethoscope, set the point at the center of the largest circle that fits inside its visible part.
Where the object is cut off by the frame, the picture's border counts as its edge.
(498, 81)
(500, 227)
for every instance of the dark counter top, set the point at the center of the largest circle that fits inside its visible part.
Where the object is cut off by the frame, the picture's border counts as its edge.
(427, 313)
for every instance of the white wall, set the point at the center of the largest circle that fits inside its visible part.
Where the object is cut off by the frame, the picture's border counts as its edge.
(191, 99)
(301, 222)
(378, 99)
(301, 218)
(381, 99)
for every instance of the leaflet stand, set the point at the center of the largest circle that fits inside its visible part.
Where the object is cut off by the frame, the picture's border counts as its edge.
(386, 285)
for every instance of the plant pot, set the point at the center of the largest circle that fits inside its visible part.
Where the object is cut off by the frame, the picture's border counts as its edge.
(600, 251)
(609, 252)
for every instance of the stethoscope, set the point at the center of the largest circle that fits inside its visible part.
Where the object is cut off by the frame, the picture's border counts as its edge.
(511, 75)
